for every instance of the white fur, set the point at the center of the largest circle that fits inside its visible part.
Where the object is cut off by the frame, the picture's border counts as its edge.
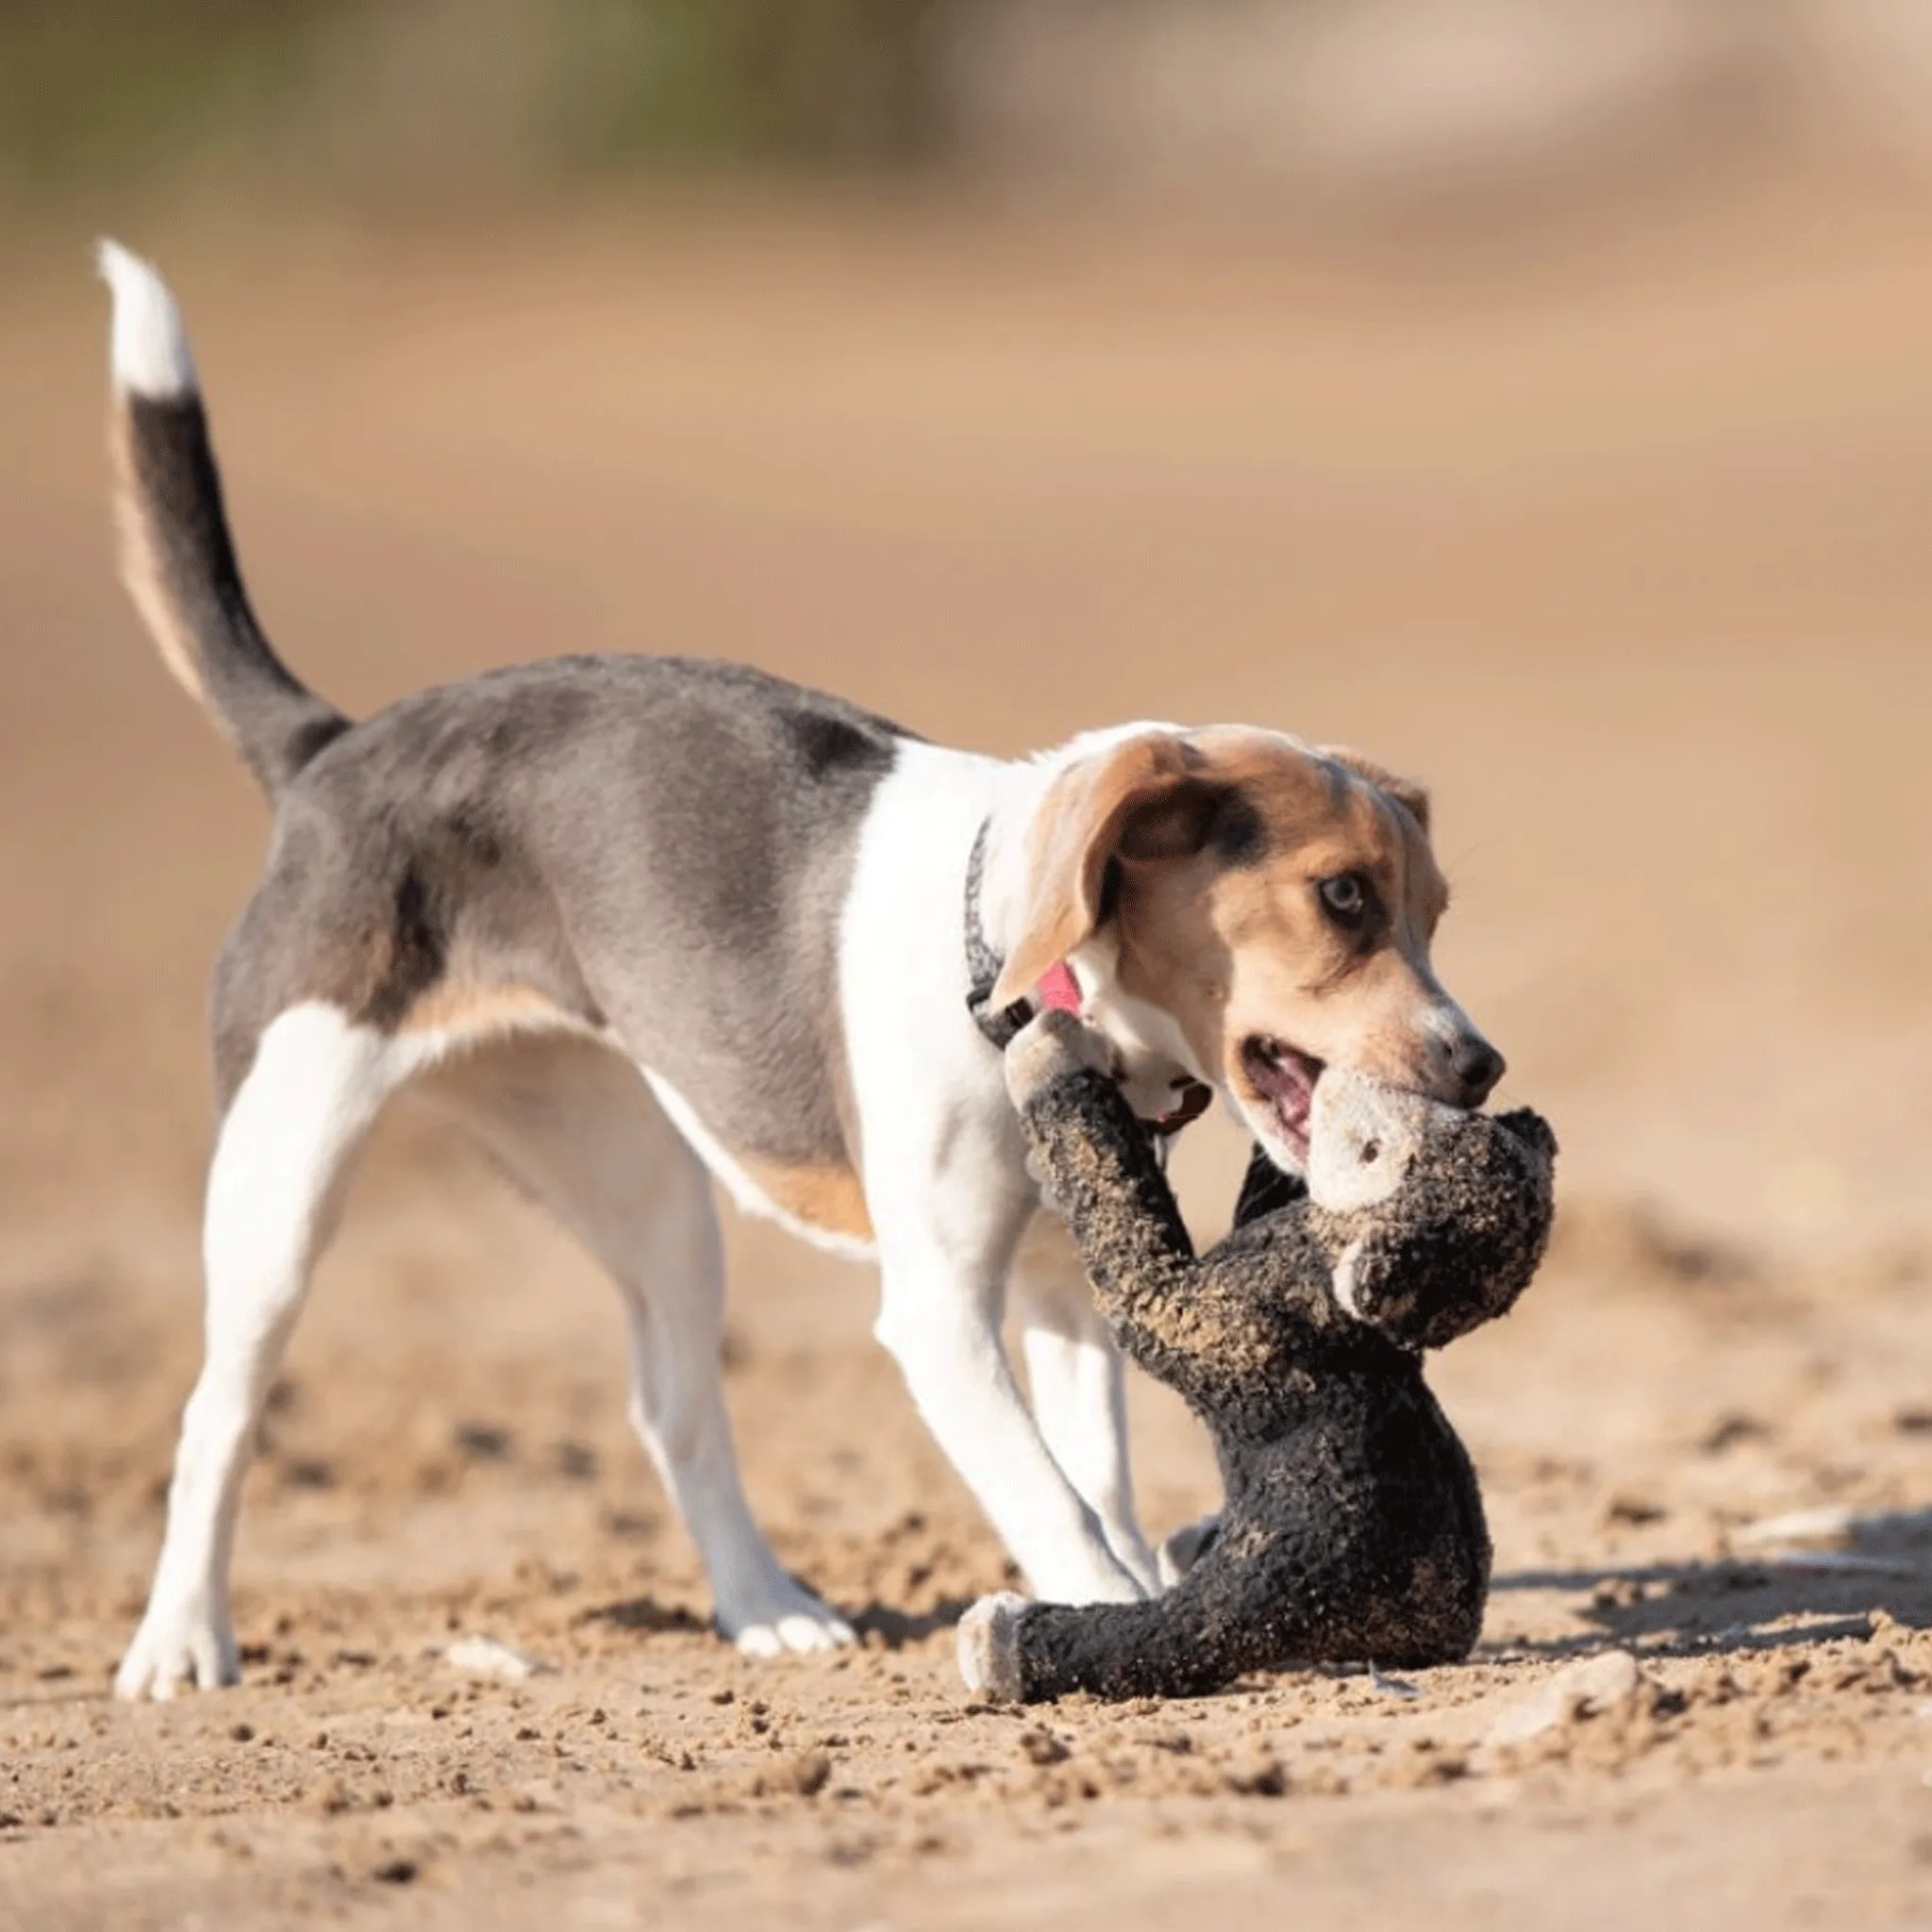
(745, 1191)
(150, 353)
(1342, 1278)
(1363, 1138)
(284, 1150)
(945, 1179)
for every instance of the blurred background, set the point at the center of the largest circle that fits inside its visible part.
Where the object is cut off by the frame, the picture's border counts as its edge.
(1533, 392)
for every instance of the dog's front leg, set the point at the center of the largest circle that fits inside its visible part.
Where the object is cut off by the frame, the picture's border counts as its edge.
(949, 1217)
(1075, 1373)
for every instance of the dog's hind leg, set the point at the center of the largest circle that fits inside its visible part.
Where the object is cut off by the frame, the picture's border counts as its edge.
(1077, 1383)
(315, 1085)
(575, 1124)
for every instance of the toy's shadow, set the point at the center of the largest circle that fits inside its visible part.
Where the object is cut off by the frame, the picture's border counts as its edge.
(896, 1628)
(1753, 1601)
(890, 1626)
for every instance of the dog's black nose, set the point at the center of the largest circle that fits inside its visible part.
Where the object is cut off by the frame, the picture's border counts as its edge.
(1476, 1066)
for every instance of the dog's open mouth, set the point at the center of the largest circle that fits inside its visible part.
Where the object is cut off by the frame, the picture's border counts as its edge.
(1283, 1079)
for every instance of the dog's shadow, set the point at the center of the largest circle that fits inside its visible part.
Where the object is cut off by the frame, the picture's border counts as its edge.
(645, 1616)
(1752, 1600)
(885, 1625)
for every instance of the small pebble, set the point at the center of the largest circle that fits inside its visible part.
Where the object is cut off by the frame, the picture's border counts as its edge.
(489, 1658)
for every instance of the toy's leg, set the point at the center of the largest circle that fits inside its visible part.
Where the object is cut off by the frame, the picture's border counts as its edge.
(1209, 1629)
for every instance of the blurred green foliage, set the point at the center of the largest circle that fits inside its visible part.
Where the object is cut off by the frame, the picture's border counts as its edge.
(90, 86)
(812, 80)
(95, 88)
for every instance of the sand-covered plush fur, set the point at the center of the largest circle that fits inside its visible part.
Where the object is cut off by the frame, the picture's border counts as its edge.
(1352, 1527)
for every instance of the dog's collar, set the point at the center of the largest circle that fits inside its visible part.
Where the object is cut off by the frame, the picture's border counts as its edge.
(999, 1024)
(1057, 987)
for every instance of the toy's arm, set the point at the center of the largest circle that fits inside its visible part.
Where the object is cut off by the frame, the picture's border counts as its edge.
(1171, 1311)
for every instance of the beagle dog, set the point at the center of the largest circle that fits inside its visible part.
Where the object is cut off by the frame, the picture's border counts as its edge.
(641, 924)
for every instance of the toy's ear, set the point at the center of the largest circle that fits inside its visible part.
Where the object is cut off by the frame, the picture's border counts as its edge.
(1140, 800)
(1413, 798)
(1525, 1125)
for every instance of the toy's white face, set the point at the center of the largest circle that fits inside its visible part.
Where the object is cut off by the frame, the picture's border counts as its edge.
(1363, 1138)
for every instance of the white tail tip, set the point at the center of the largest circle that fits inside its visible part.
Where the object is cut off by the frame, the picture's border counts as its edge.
(150, 345)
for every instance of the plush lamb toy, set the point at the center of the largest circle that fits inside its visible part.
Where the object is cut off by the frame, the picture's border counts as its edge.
(1353, 1527)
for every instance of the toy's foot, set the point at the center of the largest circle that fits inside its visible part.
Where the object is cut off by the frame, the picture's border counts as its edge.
(989, 1647)
(1185, 1548)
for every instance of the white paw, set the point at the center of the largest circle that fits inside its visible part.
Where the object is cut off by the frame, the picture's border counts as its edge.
(784, 1618)
(176, 1650)
(989, 1647)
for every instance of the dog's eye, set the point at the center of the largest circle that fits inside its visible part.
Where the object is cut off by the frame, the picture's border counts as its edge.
(1345, 897)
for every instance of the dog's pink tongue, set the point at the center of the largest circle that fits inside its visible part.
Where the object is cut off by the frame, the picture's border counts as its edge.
(1290, 1088)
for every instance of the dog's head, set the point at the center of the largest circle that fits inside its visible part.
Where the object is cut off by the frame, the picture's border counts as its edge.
(1248, 909)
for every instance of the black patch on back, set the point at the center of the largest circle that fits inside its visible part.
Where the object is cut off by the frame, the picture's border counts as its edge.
(418, 955)
(830, 742)
(314, 736)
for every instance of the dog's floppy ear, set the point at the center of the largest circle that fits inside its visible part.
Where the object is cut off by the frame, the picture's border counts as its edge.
(1141, 799)
(1411, 797)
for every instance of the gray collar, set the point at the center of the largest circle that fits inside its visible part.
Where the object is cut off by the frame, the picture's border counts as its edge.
(983, 964)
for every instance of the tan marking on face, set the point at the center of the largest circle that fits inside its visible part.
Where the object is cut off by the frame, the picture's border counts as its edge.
(141, 564)
(1237, 950)
(1232, 941)
(828, 1197)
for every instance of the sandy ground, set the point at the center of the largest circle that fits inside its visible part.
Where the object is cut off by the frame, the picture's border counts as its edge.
(1619, 538)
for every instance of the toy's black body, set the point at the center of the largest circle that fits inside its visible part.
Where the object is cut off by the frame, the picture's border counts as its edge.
(1353, 1525)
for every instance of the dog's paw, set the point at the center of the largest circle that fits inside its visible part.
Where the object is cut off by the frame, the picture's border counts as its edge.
(1052, 1047)
(178, 1649)
(1185, 1548)
(782, 1616)
(988, 1644)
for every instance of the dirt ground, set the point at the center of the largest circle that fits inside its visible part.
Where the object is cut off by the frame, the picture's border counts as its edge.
(1618, 536)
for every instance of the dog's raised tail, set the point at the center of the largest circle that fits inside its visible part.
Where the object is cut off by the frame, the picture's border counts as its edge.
(177, 557)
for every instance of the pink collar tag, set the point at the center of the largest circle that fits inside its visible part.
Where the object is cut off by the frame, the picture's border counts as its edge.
(1058, 989)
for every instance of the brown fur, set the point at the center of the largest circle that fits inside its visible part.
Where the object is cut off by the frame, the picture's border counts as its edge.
(1076, 834)
(454, 1005)
(141, 562)
(1232, 940)
(829, 1198)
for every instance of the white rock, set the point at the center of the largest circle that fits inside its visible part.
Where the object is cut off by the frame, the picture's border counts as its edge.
(489, 1658)
(1833, 1524)
(1587, 1687)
